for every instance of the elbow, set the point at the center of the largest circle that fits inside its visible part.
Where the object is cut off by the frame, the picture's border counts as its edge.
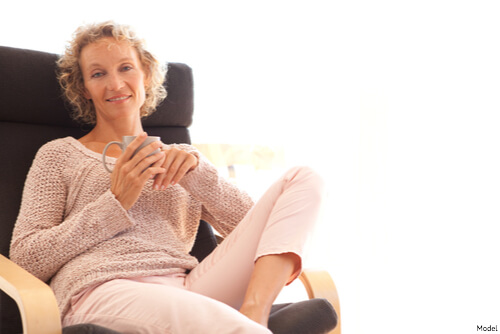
(31, 262)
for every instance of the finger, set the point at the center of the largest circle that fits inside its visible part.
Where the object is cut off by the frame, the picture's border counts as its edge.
(160, 177)
(133, 146)
(143, 160)
(146, 151)
(131, 187)
(151, 173)
(158, 180)
(172, 170)
(183, 169)
(150, 162)
(188, 165)
(179, 166)
(171, 156)
(131, 170)
(158, 163)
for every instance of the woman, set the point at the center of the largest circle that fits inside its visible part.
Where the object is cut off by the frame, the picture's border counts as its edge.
(116, 249)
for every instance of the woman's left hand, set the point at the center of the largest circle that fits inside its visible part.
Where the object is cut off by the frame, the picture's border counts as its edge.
(177, 163)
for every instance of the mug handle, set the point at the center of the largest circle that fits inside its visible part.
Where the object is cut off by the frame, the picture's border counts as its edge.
(104, 153)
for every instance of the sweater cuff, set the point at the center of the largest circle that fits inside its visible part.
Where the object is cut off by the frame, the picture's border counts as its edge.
(205, 174)
(113, 218)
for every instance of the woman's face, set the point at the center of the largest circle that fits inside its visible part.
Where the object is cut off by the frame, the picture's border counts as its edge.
(114, 79)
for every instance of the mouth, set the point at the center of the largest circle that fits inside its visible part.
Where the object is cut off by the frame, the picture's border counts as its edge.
(118, 98)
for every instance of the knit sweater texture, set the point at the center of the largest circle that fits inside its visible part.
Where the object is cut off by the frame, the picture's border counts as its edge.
(72, 233)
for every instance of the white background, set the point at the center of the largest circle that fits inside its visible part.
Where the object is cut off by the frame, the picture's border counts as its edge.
(394, 102)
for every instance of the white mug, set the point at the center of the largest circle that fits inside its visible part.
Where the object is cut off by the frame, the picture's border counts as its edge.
(126, 140)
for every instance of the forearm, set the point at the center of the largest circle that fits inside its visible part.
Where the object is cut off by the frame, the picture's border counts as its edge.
(224, 204)
(42, 247)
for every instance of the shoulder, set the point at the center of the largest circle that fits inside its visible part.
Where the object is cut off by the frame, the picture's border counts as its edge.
(58, 145)
(55, 153)
(61, 147)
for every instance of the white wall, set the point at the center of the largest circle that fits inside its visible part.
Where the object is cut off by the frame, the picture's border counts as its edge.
(395, 102)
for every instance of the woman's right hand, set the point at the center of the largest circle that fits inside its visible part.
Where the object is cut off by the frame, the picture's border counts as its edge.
(131, 173)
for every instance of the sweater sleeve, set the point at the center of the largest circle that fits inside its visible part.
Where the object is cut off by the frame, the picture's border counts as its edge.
(43, 239)
(224, 204)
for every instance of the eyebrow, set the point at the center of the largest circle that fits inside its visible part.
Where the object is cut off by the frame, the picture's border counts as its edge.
(122, 60)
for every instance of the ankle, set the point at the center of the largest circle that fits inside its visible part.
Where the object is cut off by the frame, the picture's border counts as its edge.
(256, 312)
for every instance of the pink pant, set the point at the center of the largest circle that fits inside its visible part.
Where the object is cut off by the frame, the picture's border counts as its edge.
(207, 299)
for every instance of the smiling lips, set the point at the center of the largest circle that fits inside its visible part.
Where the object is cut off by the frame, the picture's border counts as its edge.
(118, 98)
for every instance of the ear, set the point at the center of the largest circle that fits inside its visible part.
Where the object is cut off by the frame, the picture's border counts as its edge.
(86, 94)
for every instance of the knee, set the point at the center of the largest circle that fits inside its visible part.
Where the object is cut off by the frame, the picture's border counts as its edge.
(309, 178)
(308, 175)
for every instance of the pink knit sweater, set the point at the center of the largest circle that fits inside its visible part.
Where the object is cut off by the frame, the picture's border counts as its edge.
(73, 233)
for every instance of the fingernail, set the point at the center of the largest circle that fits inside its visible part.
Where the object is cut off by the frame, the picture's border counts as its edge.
(163, 187)
(157, 187)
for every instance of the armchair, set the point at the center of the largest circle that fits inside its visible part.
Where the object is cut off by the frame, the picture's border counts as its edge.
(32, 112)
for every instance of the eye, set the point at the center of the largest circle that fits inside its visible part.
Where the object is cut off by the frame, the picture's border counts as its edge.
(126, 68)
(97, 75)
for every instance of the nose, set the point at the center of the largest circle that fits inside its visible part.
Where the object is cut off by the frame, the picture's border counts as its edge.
(114, 82)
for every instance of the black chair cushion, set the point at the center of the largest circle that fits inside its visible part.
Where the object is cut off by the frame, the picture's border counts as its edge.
(88, 329)
(313, 316)
(205, 241)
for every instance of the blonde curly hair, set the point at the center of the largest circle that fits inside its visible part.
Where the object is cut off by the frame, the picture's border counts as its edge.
(71, 78)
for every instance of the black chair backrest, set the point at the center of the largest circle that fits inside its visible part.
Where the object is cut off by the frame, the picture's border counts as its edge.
(33, 112)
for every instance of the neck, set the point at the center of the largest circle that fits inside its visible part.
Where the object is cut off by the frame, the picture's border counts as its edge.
(108, 131)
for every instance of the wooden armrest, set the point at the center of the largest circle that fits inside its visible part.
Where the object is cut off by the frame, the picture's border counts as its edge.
(319, 284)
(36, 301)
